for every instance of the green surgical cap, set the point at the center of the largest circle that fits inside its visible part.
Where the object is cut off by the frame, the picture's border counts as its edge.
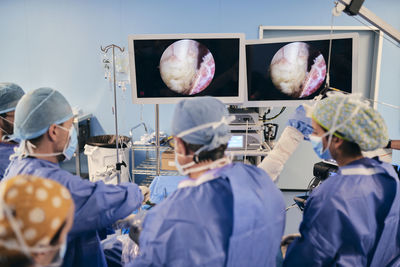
(364, 126)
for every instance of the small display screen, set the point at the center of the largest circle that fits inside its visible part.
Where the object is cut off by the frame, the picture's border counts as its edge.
(297, 70)
(236, 141)
(170, 68)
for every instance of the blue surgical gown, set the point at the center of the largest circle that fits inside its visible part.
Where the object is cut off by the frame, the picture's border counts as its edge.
(96, 206)
(232, 216)
(6, 149)
(352, 219)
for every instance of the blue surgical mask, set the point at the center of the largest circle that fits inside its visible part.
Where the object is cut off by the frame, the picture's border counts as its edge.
(73, 143)
(316, 142)
(70, 147)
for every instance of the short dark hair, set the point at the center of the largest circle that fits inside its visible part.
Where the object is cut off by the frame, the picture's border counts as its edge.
(35, 141)
(350, 148)
(13, 258)
(212, 155)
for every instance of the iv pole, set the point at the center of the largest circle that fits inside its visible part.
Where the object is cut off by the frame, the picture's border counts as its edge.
(105, 50)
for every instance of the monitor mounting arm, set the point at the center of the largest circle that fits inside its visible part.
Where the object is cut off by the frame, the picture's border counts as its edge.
(354, 7)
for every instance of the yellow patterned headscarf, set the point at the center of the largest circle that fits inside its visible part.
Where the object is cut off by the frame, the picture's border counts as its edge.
(352, 119)
(39, 208)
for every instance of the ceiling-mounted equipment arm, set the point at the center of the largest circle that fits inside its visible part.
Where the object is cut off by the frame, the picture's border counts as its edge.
(354, 7)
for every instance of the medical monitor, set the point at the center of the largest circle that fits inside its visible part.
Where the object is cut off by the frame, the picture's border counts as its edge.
(170, 67)
(235, 142)
(290, 71)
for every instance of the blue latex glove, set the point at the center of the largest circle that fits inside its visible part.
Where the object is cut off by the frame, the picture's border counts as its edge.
(163, 186)
(301, 122)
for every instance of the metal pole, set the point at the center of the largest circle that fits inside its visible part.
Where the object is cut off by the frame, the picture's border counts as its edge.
(116, 116)
(77, 154)
(157, 142)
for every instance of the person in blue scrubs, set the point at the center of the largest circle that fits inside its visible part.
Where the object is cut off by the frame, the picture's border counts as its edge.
(10, 94)
(352, 219)
(44, 124)
(223, 213)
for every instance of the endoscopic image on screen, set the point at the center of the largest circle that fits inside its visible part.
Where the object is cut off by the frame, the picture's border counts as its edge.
(297, 70)
(187, 67)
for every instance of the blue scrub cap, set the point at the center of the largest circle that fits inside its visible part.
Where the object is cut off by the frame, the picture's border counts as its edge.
(10, 94)
(356, 120)
(201, 121)
(39, 109)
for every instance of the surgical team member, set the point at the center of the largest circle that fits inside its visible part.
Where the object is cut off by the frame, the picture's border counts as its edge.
(352, 219)
(10, 94)
(43, 122)
(223, 214)
(35, 217)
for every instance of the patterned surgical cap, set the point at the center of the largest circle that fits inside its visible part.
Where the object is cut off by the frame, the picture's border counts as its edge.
(40, 207)
(356, 120)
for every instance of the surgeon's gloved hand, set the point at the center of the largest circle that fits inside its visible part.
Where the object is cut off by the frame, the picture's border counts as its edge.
(301, 122)
(145, 192)
(124, 223)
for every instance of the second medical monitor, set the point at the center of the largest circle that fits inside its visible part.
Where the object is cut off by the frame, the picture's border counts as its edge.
(289, 71)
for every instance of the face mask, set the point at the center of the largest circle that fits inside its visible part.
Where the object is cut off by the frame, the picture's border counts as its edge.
(181, 168)
(336, 125)
(316, 142)
(190, 168)
(70, 147)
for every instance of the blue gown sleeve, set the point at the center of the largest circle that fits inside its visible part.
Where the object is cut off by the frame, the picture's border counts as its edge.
(330, 225)
(312, 248)
(98, 205)
(166, 245)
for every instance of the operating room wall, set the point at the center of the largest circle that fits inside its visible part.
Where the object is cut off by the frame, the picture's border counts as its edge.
(57, 44)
